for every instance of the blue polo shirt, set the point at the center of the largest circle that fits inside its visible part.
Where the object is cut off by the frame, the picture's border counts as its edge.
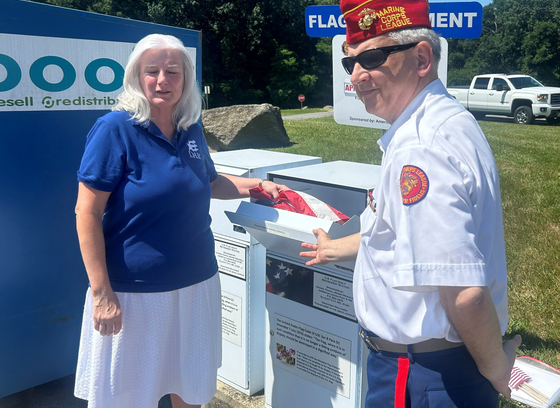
(156, 222)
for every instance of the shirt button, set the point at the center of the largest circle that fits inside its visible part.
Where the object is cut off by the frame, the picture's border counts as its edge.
(174, 151)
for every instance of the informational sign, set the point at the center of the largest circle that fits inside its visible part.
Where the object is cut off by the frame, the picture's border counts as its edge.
(348, 109)
(450, 20)
(232, 318)
(56, 74)
(231, 258)
(333, 295)
(457, 20)
(313, 354)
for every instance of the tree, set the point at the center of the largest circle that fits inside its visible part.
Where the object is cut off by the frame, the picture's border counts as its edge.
(248, 46)
(541, 48)
(517, 36)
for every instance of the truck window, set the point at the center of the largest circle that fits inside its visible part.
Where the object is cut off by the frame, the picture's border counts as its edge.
(500, 81)
(481, 83)
(524, 82)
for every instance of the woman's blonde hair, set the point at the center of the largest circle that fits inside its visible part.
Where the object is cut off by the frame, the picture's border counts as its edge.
(132, 99)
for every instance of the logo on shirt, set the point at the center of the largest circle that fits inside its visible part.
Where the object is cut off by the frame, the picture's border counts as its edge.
(414, 185)
(193, 150)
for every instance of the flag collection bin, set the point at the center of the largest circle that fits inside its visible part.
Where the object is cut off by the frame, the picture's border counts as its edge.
(241, 261)
(314, 355)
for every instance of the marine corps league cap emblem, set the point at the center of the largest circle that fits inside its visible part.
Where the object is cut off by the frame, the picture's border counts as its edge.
(369, 16)
(414, 184)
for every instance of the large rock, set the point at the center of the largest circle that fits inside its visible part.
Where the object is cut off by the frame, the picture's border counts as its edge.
(244, 126)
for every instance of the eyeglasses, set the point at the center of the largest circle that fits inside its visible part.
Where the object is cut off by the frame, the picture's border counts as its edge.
(370, 59)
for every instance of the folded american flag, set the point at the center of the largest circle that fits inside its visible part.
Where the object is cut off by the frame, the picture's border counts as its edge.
(301, 203)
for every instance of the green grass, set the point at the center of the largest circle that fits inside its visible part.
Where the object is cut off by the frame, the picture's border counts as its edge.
(289, 112)
(323, 137)
(528, 160)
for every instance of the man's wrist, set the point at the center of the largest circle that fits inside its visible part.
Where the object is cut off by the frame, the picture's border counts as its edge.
(261, 182)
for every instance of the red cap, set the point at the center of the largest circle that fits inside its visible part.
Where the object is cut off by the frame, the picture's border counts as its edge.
(368, 19)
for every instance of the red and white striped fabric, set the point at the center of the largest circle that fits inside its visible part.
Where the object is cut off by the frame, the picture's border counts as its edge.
(301, 203)
(517, 378)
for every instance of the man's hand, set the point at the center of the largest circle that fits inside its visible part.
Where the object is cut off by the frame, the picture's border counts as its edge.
(317, 250)
(328, 250)
(502, 373)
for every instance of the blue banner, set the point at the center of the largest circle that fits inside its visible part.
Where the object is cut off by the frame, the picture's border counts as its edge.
(450, 20)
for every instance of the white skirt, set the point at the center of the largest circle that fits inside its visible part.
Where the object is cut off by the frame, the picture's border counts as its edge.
(170, 342)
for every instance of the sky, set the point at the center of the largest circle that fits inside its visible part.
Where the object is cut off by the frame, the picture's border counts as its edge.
(483, 2)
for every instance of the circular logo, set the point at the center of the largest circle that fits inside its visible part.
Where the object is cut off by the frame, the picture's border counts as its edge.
(414, 184)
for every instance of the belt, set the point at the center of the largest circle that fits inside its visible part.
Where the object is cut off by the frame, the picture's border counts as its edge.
(377, 344)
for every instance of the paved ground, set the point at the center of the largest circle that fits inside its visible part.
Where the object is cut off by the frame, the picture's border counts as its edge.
(60, 394)
(308, 115)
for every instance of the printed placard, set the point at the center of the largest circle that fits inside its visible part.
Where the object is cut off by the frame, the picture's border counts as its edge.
(232, 318)
(231, 259)
(313, 354)
(333, 295)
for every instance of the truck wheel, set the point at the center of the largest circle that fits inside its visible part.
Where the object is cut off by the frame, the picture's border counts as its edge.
(523, 115)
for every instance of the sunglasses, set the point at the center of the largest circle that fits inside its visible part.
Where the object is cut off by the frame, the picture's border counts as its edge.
(370, 59)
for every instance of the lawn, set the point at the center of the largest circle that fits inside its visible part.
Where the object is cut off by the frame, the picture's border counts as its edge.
(528, 160)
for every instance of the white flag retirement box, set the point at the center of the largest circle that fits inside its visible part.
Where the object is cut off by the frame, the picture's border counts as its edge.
(314, 357)
(241, 261)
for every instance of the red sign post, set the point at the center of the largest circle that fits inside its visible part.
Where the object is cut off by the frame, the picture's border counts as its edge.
(301, 98)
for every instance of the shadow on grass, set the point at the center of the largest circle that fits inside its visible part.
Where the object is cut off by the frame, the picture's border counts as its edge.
(531, 342)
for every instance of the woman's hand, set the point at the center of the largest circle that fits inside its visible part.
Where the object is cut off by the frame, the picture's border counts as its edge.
(107, 319)
(227, 187)
(272, 188)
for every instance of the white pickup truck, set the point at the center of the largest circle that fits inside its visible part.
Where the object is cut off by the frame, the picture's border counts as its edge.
(519, 96)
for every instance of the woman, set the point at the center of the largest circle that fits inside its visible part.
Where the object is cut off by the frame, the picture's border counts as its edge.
(152, 318)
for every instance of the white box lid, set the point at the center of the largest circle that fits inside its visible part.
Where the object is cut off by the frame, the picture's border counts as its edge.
(337, 173)
(283, 231)
(250, 159)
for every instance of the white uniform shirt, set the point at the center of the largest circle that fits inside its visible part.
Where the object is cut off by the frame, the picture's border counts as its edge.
(443, 227)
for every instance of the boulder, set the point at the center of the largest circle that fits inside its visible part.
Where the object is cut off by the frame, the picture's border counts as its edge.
(244, 126)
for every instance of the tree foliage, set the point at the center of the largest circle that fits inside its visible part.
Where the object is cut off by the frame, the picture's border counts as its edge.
(256, 51)
(253, 51)
(518, 36)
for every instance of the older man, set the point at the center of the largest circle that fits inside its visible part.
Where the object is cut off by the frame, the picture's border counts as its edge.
(430, 287)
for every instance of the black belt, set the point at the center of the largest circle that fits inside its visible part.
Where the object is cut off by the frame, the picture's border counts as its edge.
(378, 344)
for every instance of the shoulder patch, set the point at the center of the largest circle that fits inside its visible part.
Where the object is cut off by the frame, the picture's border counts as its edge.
(414, 184)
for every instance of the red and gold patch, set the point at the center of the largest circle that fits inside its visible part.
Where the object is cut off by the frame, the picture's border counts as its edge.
(414, 184)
